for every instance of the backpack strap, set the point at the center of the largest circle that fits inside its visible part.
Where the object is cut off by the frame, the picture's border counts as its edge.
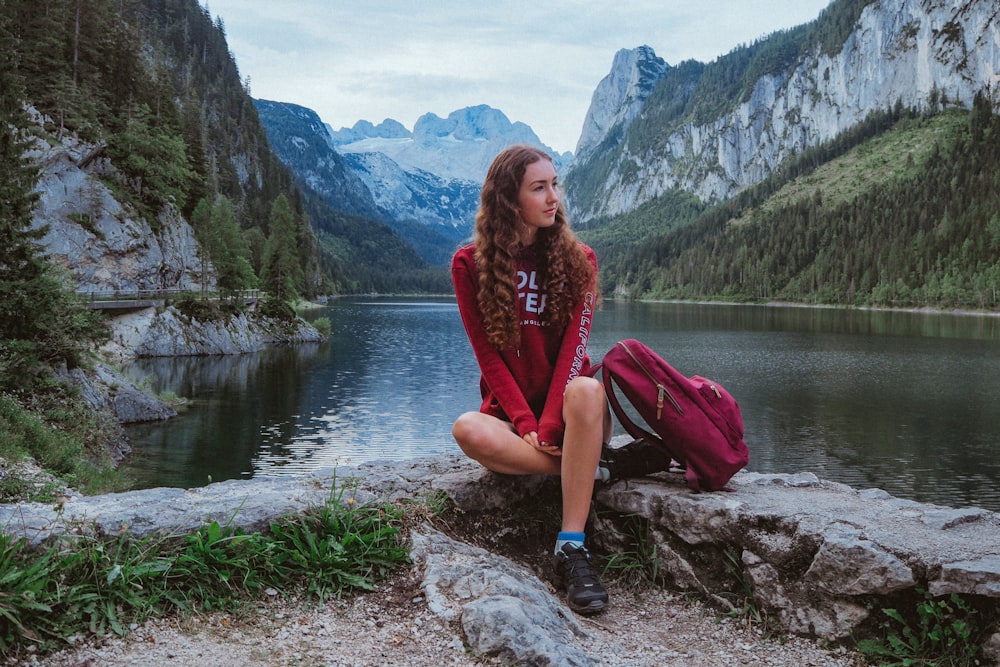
(627, 423)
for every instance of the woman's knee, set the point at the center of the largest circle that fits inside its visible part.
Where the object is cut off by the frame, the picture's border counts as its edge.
(464, 428)
(472, 433)
(585, 393)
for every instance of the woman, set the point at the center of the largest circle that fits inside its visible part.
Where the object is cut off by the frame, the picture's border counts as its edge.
(527, 290)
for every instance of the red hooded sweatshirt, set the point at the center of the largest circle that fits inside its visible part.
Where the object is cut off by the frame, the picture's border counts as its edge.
(525, 385)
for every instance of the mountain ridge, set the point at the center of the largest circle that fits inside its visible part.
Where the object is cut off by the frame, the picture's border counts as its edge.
(809, 89)
(430, 176)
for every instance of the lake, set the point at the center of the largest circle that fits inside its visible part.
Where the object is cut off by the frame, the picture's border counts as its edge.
(903, 401)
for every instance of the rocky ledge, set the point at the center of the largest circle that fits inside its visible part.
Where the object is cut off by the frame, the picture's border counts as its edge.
(168, 332)
(822, 558)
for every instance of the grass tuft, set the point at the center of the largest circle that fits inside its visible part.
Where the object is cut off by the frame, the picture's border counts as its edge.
(87, 584)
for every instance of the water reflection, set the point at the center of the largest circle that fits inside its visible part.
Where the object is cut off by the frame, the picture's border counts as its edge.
(387, 385)
(895, 400)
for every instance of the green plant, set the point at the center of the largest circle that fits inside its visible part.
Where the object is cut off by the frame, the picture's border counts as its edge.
(173, 400)
(199, 309)
(745, 605)
(86, 583)
(637, 566)
(55, 427)
(217, 566)
(24, 434)
(19, 586)
(438, 503)
(340, 545)
(938, 634)
(107, 584)
(323, 326)
(276, 309)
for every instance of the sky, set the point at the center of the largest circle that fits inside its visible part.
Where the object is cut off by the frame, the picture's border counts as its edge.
(538, 62)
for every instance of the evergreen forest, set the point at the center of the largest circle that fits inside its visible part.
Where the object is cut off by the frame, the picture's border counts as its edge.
(150, 86)
(903, 211)
(152, 82)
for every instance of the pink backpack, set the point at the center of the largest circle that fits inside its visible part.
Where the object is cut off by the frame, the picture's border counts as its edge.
(694, 421)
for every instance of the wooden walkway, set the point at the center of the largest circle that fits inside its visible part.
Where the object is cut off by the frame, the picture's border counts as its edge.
(150, 298)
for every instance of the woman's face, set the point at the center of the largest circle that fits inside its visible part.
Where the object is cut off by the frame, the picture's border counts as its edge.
(538, 198)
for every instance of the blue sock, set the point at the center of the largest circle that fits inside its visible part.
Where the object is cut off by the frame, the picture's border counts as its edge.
(576, 539)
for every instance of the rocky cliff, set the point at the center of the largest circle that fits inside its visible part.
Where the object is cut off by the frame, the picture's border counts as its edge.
(918, 53)
(169, 332)
(619, 96)
(104, 244)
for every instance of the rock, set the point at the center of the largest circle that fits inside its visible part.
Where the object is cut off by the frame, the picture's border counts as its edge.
(168, 332)
(115, 400)
(503, 608)
(904, 51)
(819, 554)
(105, 245)
(819, 557)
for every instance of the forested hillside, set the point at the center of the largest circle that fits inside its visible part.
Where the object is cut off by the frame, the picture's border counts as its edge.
(152, 82)
(903, 211)
(121, 121)
(849, 161)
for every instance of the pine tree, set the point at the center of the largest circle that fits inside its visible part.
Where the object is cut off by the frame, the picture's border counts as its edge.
(40, 319)
(20, 262)
(231, 253)
(282, 272)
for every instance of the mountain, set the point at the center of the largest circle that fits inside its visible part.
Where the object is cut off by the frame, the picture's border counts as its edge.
(140, 117)
(424, 184)
(849, 161)
(459, 147)
(424, 210)
(299, 138)
(715, 129)
(619, 96)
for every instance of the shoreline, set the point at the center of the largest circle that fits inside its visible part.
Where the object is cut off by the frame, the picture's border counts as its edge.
(917, 310)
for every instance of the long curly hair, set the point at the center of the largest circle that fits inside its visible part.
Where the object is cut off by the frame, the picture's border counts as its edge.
(565, 273)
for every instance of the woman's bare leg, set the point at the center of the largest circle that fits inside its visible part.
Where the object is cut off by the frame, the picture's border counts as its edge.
(493, 443)
(588, 426)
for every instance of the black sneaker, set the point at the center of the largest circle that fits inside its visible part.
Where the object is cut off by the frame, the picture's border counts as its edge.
(636, 459)
(576, 574)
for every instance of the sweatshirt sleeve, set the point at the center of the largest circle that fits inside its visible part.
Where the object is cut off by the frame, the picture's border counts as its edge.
(495, 372)
(571, 362)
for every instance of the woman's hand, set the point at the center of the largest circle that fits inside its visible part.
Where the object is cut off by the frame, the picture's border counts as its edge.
(544, 447)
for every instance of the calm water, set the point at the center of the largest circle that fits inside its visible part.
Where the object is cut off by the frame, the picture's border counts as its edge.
(907, 402)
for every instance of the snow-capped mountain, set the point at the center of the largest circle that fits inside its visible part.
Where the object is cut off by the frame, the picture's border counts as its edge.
(416, 195)
(459, 147)
(433, 174)
(430, 176)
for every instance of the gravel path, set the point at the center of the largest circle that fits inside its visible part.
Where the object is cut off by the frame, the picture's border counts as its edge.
(393, 626)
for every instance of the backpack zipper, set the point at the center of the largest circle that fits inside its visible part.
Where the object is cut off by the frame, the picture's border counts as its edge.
(661, 391)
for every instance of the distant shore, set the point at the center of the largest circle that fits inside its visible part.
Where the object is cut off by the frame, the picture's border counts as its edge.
(919, 310)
